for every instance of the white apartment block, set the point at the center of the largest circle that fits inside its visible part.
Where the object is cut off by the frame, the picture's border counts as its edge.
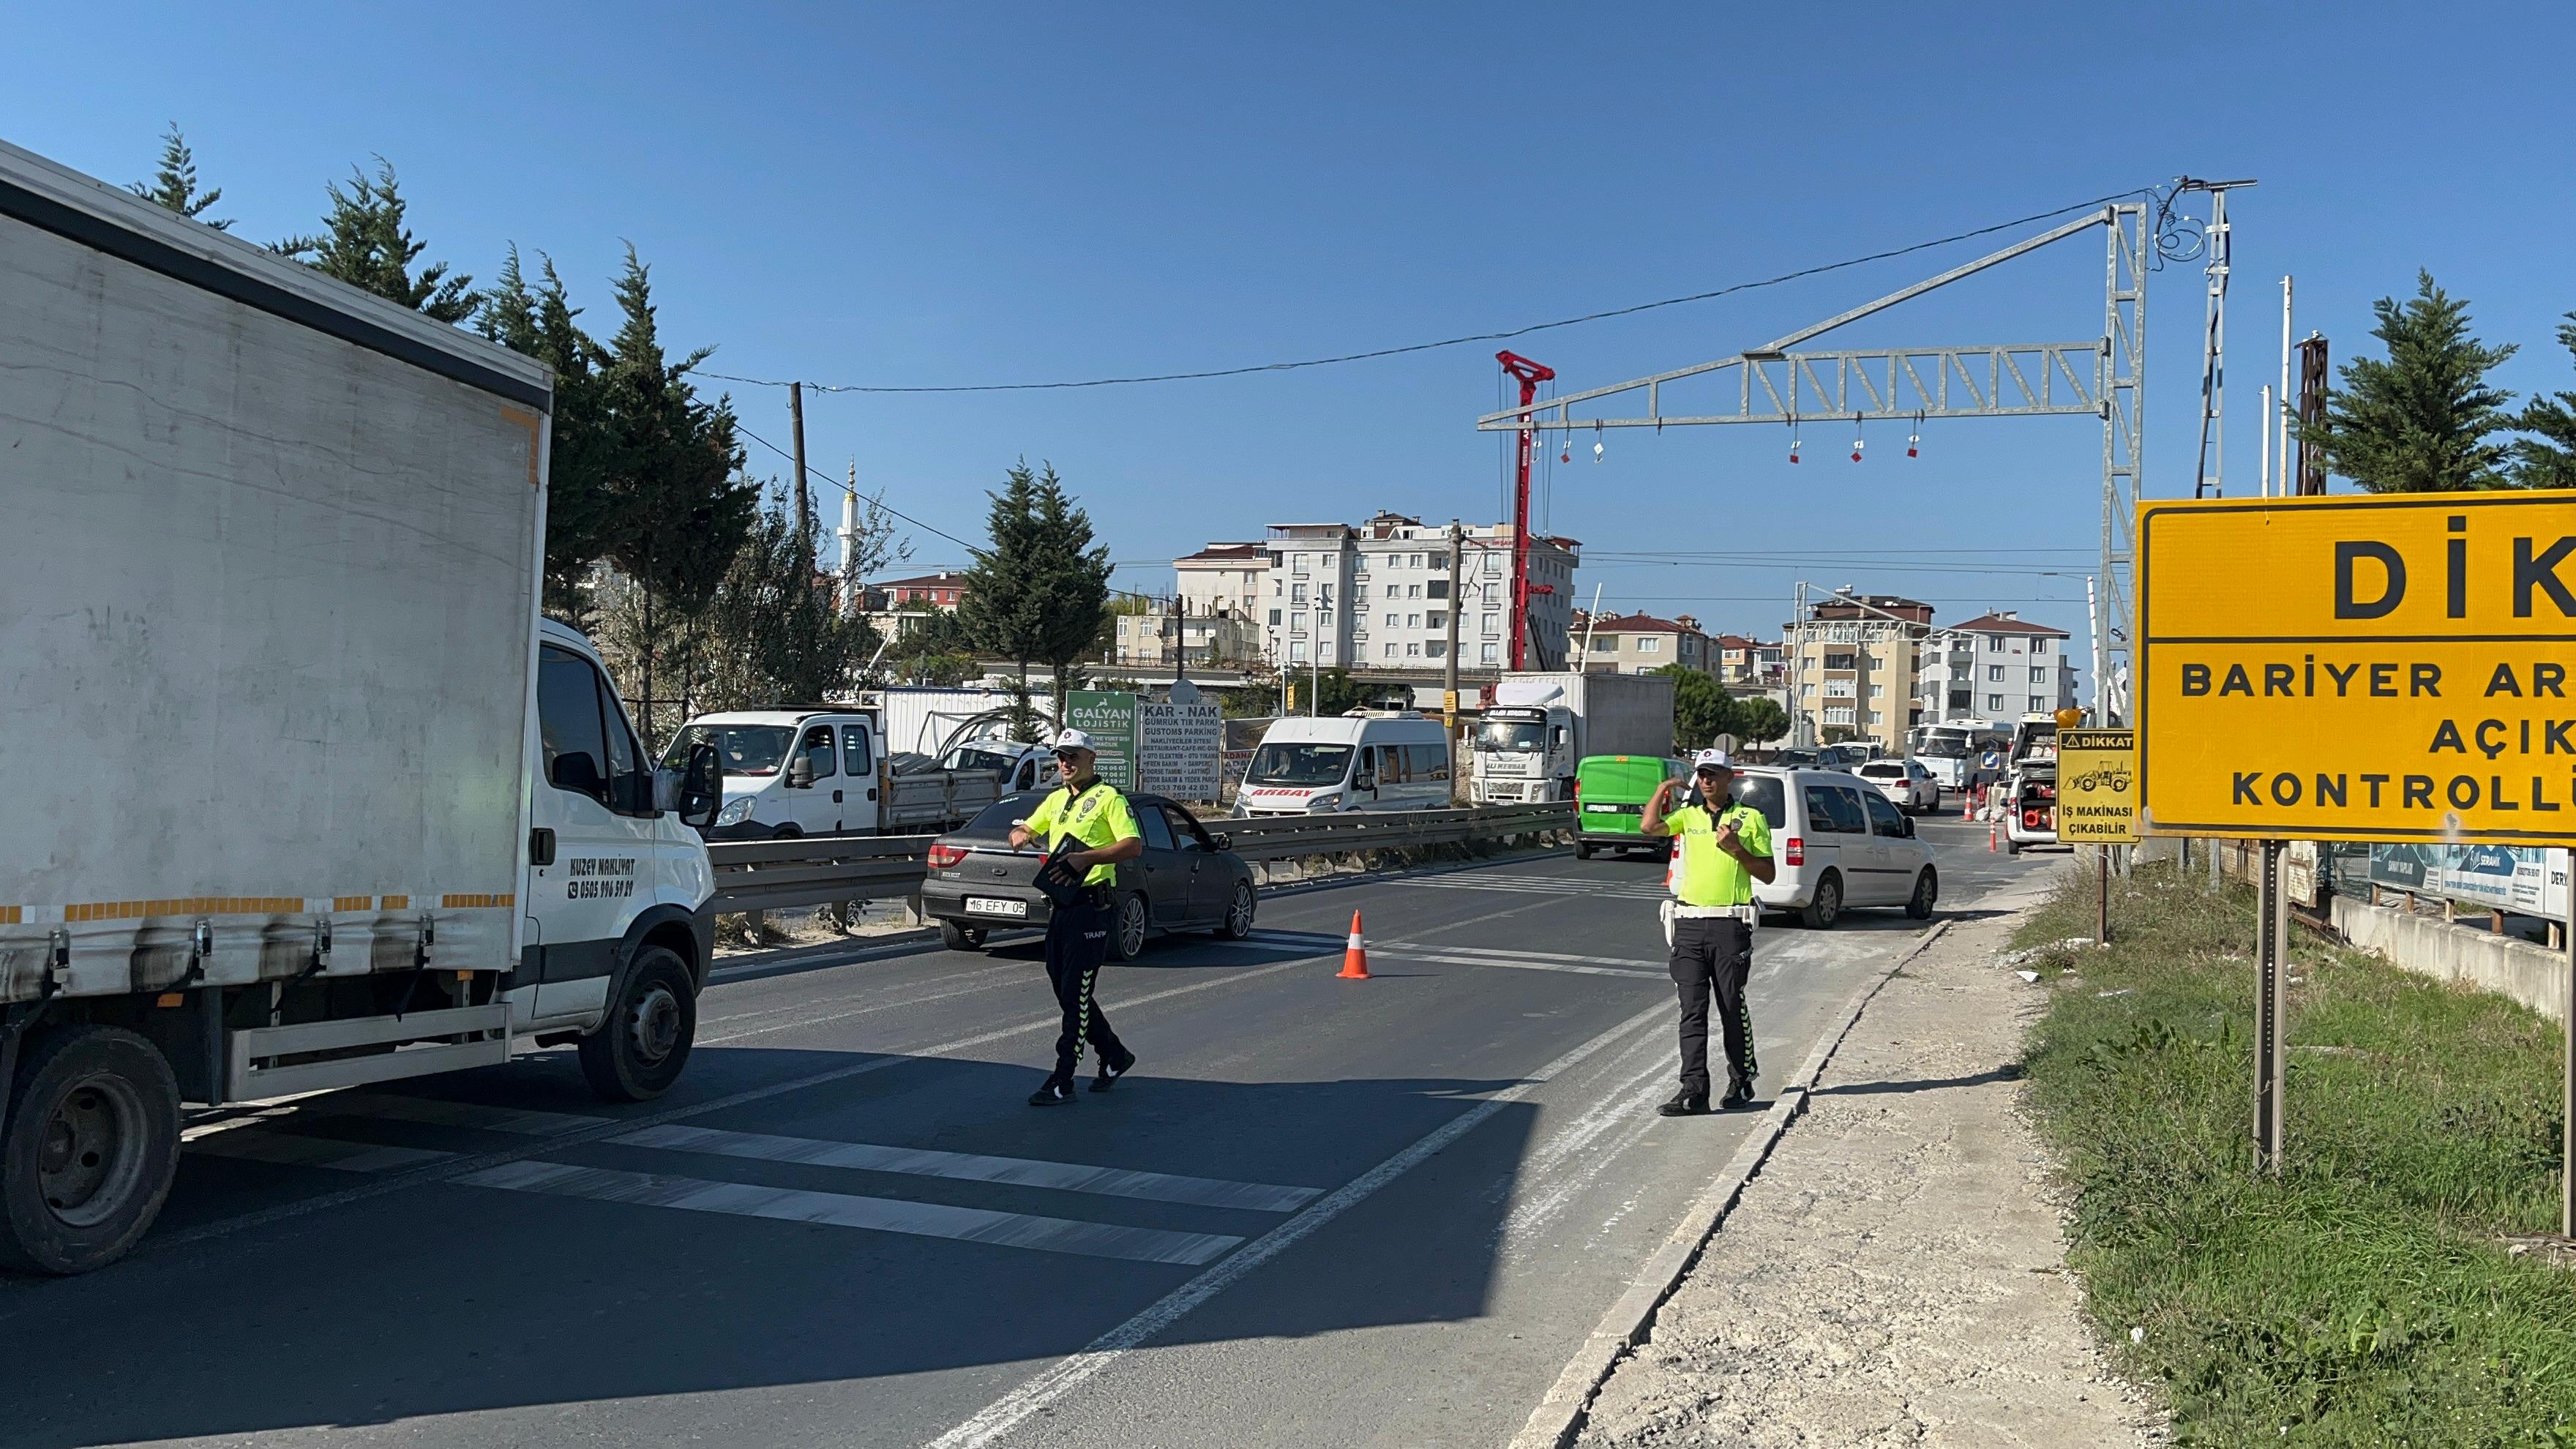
(1997, 666)
(1378, 595)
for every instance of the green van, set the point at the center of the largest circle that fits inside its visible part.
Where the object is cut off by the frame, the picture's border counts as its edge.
(1610, 795)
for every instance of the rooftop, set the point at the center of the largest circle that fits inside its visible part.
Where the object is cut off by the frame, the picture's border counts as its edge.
(2005, 621)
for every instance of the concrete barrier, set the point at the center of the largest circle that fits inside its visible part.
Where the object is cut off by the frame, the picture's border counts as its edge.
(2532, 974)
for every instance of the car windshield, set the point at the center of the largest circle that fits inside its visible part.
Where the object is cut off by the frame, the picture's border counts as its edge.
(1505, 734)
(1763, 793)
(745, 749)
(975, 757)
(1299, 764)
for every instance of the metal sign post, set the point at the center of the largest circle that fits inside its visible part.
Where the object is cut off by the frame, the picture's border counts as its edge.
(2271, 1049)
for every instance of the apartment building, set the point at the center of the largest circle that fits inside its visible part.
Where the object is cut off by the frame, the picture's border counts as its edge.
(1378, 595)
(1997, 666)
(1749, 663)
(1854, 661)
(1640, 643)
(1152, 639)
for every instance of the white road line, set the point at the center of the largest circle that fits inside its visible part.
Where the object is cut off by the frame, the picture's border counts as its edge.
(1517, 961)
(327, 1152)
(1068, 1374)
(970, 1167)
(1634, 962)
(917, 999)
(876, 1214)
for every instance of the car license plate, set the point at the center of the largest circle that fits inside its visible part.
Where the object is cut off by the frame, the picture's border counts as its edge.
(987, 906)
(1604, 809)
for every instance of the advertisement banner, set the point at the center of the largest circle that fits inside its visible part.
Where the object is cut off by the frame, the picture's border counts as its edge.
(1177, 748)
(1109, 717)
(2526, 880)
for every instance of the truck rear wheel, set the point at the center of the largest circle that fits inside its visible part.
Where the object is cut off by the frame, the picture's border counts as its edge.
(91, 1144)
(638, 1052)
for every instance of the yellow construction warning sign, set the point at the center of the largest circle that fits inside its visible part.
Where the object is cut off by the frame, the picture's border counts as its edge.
(2387, 668)
(2097, 787)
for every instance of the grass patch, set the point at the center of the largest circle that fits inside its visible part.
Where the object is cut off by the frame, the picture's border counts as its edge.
(2366, 1298)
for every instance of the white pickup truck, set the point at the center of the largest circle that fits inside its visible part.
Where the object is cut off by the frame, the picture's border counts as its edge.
(825, 770)
(303, 794)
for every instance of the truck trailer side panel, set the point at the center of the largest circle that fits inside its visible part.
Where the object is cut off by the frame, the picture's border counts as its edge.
(265, 594)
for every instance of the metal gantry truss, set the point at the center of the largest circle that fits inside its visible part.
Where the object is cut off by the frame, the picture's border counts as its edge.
(2100, 377)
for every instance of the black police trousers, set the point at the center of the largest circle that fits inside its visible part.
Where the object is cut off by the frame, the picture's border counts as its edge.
(1713, 957)
(1077, 941)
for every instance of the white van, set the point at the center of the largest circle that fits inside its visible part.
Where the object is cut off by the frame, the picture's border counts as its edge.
(1363, 760)
(1836, 841)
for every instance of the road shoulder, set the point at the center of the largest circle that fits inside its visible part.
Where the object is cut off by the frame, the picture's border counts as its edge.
(1896, 1272)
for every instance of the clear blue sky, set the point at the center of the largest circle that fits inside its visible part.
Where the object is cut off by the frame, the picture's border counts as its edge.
(1002, 193)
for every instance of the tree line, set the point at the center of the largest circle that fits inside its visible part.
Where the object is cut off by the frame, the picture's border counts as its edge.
(698, 582)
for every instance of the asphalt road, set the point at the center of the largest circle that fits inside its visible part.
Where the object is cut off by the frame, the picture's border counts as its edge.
(1321, 1211)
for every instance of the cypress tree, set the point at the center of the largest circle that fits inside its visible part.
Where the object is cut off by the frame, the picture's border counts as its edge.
(2549, 460)
(174, 188)
(364, 243)
(583, 521)
(2423, 420)
(1004, 607)
(1074, 581)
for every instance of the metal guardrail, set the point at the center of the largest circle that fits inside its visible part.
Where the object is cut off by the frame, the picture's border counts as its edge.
(765, 875)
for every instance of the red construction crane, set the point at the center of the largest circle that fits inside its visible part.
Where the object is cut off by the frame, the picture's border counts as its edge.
(1531, 374)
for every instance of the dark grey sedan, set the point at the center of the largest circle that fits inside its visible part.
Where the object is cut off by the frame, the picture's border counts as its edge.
(1187, 880)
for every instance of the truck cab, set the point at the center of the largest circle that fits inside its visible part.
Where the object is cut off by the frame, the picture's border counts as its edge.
(790, 772)
(1525, 752)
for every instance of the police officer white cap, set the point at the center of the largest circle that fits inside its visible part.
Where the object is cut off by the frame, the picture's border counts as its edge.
(1073, 740)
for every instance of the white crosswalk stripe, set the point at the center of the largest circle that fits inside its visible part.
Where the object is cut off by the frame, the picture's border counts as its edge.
(885, 1215)
(1536, 885)
(971, 1167)
(1508, 960)
(275, 1141)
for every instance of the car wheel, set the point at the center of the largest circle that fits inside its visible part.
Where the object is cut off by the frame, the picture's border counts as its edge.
(1927, 894)
(1582, 850)
(92, 1143)
(637, 1053)
(961, 938)
(1127, 929)
(2012, 847)
(1238, 914)
(1826, 907)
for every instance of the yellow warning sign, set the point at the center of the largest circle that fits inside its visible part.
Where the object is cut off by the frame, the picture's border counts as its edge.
(2097, 787)
(2388, 668)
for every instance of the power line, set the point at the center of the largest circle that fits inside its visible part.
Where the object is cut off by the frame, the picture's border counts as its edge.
(1505, 336)
(846, 488)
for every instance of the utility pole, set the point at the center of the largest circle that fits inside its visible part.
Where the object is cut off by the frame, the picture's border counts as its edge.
(2213, 349)
(1449, 674)
(804, 495)
(2312, 413)
(2285, 399)
(1180, 637)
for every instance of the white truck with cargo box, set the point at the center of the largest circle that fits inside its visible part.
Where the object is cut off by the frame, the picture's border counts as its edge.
(1538, 727)
(303, 794)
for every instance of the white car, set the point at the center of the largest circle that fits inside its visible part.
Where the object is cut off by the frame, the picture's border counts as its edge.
(1837, 842)
(1362, 760)
(1908, 785)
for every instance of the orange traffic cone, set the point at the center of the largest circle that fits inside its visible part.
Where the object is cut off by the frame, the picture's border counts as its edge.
(1355, 955)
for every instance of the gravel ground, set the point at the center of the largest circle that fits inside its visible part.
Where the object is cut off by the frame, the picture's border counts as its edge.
(1895, 1275)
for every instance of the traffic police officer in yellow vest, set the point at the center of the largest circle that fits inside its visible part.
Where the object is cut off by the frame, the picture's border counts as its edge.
(1724, 848)
(1090, 812)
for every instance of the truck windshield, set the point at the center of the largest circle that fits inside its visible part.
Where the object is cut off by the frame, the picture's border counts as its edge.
(746, 749)
(1507, 734)
(1286, 764)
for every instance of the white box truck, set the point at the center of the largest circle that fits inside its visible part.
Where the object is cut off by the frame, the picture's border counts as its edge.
(303, 794)
(1536, 727)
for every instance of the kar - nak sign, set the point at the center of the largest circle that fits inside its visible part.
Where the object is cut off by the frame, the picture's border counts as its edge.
(2390, 668)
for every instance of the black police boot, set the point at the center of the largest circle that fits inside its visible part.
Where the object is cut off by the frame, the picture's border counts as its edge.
(1111, 1071)
(1057, 1092)
(1685, 1103)
(1739, 1093)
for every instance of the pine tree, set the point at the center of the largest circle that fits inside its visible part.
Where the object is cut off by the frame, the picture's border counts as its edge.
(175, 187)
(671, 473)
(1074, 582)
(2423, 420)
(1004, 604)
(772, 630)
(365, 244)
(2549, 460)
(583, 522)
